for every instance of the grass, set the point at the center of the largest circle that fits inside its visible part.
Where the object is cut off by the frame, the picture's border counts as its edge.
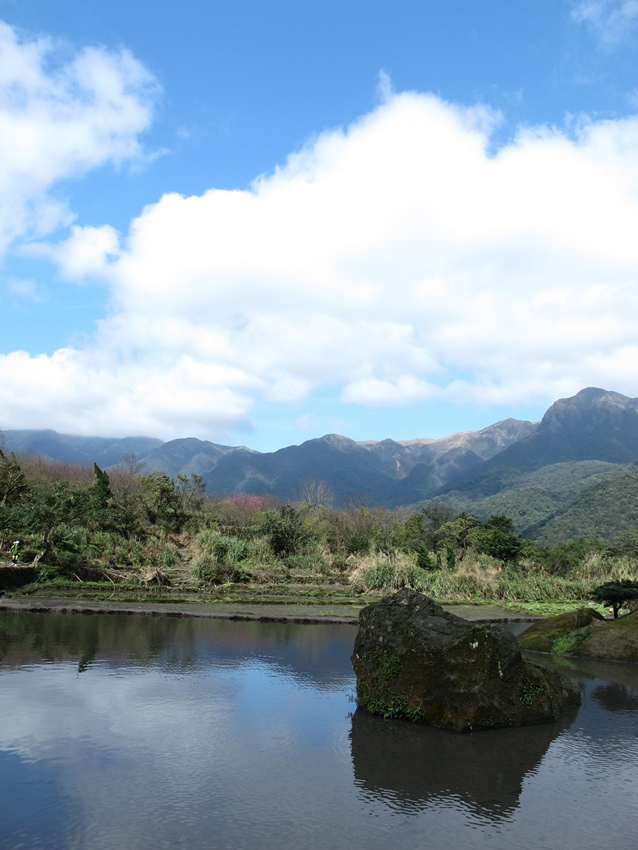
(548, 609)
(288, 593)
(221, 569)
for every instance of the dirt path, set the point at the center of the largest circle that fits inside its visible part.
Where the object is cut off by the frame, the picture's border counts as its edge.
(240, 610)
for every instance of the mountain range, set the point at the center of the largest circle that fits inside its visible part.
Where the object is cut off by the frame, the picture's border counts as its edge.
(553, 477)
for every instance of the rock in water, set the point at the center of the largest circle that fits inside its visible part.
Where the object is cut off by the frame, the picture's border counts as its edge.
(417, 661)
(545, 634)
(585, 632)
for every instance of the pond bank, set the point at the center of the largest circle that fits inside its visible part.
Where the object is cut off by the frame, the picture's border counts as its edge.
(265, 612)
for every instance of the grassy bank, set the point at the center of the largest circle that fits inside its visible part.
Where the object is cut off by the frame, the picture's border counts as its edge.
(356, 581)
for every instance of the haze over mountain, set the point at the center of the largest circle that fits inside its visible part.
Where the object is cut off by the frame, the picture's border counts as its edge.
(101, 450)
(533, 472)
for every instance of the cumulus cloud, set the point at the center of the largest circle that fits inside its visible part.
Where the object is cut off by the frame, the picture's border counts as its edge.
(611, 20)
(62, 113)
(391, 262)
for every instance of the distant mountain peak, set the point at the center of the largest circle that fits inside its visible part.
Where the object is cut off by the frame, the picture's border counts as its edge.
(592, 397)
(591, 402)
(337, 441)
(590, 394)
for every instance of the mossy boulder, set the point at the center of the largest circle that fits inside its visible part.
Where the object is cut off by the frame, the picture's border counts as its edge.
(614, 640)
(585, 633)
(415, 660)
(561, 633)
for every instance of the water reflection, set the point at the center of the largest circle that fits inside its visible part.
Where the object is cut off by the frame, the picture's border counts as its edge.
(171, 732)
(408, 765)
(157, 732)
(179, 645)
(614, 697)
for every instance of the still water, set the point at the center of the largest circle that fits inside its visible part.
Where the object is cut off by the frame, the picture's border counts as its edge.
(157, 732)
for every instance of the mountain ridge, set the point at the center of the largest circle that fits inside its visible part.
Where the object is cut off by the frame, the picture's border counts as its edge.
(370, 470)
(533, 470)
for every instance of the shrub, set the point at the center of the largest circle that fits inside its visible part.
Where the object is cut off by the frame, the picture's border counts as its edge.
(314, 562)
(616, 594)
(287, 530)
(388, 572)
(221, 558)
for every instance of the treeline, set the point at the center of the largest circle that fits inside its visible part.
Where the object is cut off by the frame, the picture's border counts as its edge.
(70, 516)
(67, 513)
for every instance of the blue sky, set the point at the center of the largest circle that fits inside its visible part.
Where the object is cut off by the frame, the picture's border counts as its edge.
(260, 222)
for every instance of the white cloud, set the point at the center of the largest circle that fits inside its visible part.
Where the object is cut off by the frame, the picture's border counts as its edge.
(85, 253)
(384, 87)
(393, 262)
(62, 114)
(404, 389)
(612, 21)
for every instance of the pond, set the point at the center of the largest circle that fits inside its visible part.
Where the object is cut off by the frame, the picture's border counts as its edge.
(158, 732)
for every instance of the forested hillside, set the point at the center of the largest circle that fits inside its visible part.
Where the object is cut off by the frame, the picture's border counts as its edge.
(607, 509)
(535, 500)
(126, 532)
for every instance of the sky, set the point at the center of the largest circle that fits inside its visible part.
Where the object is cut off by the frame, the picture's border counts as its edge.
(257, 222)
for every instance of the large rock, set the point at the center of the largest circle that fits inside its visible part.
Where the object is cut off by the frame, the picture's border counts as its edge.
(560, 633)
(417, 661)
(585, 633)
(615, 640)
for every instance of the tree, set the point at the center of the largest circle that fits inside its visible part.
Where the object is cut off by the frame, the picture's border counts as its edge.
(101, 490)
(410, 536)
(498, 543)
(457, 534)
(437, 515)
(163, 503)
(615, 594)
(129, 463)
(13, 484)
(317, 493)
(502, 523)
(47, 511)
(192, 489)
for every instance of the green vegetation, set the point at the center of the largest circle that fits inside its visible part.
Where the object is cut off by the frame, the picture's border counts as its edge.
(559, 502)
(567, 643)
(125, 535)
(375, 691)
